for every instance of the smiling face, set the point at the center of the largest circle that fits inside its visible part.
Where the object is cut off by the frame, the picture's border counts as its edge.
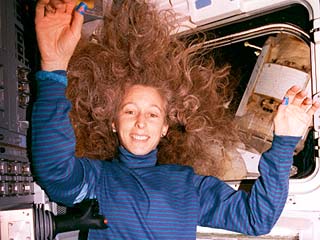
(140, 120)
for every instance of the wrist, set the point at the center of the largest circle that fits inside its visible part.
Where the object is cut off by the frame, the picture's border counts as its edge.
(53, 66)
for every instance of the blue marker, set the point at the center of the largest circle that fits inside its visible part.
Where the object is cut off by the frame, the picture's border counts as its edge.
(82, 8)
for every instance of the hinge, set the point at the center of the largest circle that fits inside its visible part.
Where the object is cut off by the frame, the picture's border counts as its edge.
(313, 30)
(317, 144)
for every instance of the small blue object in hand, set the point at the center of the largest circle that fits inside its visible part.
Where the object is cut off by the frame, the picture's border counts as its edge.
(82, 8)
(285, 101)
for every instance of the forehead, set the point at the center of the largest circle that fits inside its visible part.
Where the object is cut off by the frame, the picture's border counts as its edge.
(139, 94)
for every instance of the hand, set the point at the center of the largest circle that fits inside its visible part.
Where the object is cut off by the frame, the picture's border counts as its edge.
(294, 118)
(58, 29)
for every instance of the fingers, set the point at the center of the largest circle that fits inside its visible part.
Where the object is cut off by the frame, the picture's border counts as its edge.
(41, 9)
(314, 107)
(60, 8)
(70, 7)
(78, 18)
(295, 95)
(299, 98)
(51, 7)
(60, 3)
(293, 90)
(63, 6)
(49, 10)
(289, 97)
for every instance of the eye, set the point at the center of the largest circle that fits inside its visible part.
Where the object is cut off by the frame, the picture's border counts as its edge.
(154, 115)
(129, 112)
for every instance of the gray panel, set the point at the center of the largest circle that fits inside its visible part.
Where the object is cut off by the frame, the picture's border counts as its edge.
(16, 181)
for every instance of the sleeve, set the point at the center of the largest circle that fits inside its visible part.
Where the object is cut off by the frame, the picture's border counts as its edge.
(64, 177)
(256, 212)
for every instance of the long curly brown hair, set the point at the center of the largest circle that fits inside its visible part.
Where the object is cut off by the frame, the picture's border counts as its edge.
(136, 46)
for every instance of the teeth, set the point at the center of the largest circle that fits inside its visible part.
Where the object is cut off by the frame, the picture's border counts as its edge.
(139, 137)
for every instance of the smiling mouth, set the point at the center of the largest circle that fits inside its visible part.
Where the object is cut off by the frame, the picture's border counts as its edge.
(139, 137)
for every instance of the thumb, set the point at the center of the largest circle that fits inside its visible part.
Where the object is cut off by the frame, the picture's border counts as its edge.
(281, 108)
(78, 18)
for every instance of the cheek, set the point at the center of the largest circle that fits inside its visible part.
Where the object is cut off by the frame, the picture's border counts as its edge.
(157, 127)
(123, 123)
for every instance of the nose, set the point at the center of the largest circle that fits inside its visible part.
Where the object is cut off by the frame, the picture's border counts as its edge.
(141, 121)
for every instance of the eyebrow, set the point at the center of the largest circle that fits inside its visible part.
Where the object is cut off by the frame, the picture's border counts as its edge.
(153, 105)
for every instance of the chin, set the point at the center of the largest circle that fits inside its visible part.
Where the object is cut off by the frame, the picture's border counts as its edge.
(142, 152)
(139, 151)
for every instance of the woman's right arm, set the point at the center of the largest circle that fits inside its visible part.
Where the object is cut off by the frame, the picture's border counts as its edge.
(64, 178)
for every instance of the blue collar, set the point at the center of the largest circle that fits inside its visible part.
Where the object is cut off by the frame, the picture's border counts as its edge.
(137, 161)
